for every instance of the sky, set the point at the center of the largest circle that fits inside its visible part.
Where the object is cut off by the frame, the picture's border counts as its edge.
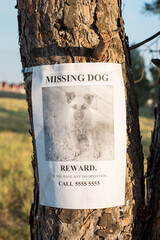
(138, 27)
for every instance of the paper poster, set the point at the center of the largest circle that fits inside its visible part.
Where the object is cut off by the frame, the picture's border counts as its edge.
(79, 117)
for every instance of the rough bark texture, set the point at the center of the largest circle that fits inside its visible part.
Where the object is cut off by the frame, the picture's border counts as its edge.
(60, 31)
(153, 180)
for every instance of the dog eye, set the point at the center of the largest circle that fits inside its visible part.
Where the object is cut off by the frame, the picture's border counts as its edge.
(83, 106)
(74, 106)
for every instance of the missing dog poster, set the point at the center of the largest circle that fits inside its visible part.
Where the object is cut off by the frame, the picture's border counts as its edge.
(79, 117)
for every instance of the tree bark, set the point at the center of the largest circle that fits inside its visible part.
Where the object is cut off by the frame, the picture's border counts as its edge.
(70, 31)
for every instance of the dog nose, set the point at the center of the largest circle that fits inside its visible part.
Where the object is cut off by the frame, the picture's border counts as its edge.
(78, 116)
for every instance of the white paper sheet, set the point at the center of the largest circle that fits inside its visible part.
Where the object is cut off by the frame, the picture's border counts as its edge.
(79, 117)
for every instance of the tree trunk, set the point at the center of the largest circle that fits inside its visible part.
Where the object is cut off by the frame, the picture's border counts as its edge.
(152, 231)
(70, 31)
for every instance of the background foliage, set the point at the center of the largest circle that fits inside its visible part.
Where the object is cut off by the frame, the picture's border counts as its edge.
(146, 85)
(153, 7)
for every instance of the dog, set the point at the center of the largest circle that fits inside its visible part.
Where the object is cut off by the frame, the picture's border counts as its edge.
(81, 125)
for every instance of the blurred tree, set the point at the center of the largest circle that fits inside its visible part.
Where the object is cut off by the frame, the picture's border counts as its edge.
(153, 7)
(142, 84)
(152, 230)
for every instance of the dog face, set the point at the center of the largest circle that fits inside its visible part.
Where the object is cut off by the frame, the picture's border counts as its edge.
(79, 105)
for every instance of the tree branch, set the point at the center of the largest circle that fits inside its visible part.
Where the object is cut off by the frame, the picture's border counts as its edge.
(156, 62)
(145, 41)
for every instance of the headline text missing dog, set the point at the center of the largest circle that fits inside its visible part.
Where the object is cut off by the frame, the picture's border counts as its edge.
(74, 78)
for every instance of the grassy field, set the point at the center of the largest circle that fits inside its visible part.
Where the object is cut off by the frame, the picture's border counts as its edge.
(146, 126)
(16, 178)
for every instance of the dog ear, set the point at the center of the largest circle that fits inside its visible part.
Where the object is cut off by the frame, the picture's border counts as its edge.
(88, 98)
(70, 96)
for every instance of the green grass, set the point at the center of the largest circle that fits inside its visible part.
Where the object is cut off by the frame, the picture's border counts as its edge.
(146, 126)
(16, 178)
(11, 95)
